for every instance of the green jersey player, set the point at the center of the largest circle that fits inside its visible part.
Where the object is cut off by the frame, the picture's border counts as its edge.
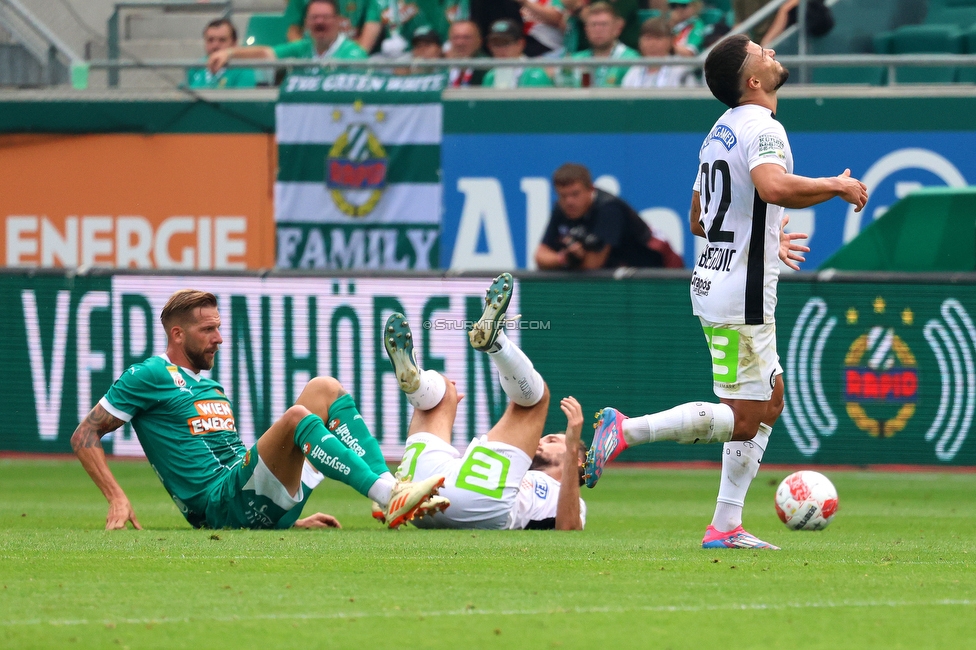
(186, 426)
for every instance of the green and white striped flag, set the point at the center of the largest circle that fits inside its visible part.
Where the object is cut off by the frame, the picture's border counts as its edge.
(359, 171)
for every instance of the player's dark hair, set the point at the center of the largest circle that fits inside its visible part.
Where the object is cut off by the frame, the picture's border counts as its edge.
(334, 3)
(220, 22)
(723, 69)
(181, 305)
(570, 173)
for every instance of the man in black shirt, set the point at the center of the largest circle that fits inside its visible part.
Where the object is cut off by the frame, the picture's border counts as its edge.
(593, 229)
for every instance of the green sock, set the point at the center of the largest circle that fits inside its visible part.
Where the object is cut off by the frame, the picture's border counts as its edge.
(331, 457)
(346, 424)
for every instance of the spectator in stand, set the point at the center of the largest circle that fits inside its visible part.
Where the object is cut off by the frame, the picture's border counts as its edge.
(655, 40)
(592, 229)
(506, 41)
(352, 19)
(486, 12)
(603, 27)
(220, 34)
(426, 44)
(545, 26)
(324, 41)
(391, 24)
(687, 28)
(455, 10)
(464, 42)
(745, 8)
(574, 37)
(820, 20)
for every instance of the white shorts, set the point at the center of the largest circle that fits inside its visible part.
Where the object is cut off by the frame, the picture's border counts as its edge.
(482, 483)
(744, 360)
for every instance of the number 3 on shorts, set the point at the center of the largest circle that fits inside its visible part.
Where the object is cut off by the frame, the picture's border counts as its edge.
(408, 465)
(484, 472)
(723, 344)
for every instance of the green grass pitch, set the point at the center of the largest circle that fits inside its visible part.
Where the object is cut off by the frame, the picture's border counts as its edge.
(896, 569)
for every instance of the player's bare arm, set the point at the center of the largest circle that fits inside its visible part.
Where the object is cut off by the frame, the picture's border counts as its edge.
(568, 506)
(790, 252)
(86, 442)
(777, 187)
(695, 216)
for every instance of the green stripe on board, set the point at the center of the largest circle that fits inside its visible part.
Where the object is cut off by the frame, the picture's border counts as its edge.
(411, 163)
(113, 116)
(837, 114)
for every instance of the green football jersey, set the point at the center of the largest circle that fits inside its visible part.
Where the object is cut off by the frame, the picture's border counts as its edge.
(408, 16)
(342, 48)
(186, 426)
(604, 76)
(225, 78)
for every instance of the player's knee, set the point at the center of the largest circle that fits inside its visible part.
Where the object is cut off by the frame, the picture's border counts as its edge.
(294, 415)
(544, 401)
(328, 387)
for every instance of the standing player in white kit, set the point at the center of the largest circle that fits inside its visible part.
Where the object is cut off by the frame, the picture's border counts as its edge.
(745, 180)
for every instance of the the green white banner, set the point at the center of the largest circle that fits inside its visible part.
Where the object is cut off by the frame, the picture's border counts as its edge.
(359, 171)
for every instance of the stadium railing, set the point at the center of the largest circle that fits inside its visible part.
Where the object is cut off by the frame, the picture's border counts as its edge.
(224, 7)
(55, 57)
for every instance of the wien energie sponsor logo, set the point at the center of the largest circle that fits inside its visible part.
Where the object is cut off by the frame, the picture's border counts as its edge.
(213, 416)
(319, 454)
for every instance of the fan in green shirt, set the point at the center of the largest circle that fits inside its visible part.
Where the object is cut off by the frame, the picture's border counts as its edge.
(687, 28)
(187, 428)
(352, 17)
(505, 41)
(396, 20)
(220, 34)
(324, 41)
(603, 28)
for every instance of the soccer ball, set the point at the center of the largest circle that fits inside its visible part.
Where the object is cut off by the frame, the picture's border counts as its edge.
(806, 501)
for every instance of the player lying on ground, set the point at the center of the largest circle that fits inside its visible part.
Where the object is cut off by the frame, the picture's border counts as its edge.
(512, 477)
(186, 426)
(745, 180)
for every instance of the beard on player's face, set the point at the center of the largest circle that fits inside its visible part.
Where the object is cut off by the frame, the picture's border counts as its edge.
(542, 461)
(199, 356)
(784, 74)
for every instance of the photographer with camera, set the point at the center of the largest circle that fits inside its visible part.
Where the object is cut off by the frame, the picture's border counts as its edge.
(593, 229)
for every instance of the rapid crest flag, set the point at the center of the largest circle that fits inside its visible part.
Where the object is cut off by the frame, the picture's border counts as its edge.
(359, 165)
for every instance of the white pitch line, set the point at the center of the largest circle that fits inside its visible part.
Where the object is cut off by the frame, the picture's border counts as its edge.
(502, 612)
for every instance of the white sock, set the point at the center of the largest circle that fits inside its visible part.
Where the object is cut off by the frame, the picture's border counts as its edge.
(695, 422)
(740, 464)
(431, 391)
(518, 377)
(380, 490)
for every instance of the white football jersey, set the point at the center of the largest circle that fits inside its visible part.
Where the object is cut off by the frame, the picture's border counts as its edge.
(535, 506)
(734, 281)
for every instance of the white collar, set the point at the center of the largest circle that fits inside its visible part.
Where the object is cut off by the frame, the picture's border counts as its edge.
(195, 375)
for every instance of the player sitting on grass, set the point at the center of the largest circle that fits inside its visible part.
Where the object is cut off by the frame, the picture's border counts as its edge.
(512, 477)
(186, 426)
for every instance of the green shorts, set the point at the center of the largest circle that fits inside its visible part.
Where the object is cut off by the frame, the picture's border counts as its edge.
(250, 496)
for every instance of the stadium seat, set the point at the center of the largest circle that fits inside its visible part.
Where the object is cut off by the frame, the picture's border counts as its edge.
(712, 16)
(918, 39)
(968, 74)
(961, 13)
(858, 75)
(266, 29)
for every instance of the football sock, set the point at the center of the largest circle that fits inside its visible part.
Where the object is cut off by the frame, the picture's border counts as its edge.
(329, 456)
(431, 391)
(346, 424)
(740, 464)
(695, 422)
(519, 379)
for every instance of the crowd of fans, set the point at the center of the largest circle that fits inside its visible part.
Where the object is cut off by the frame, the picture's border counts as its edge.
(540, 31)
